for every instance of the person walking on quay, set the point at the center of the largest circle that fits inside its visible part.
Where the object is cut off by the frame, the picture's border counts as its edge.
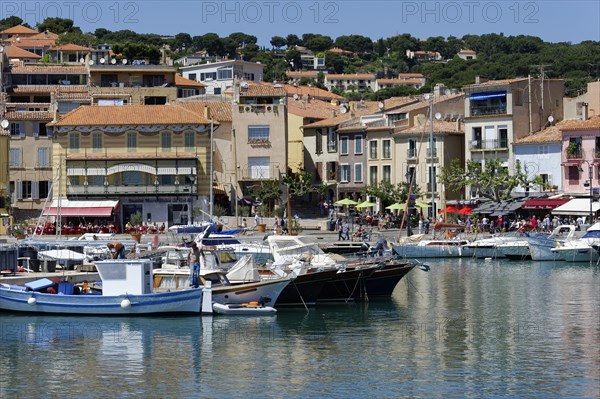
(340, 229)
(346, 231)
(117, 250)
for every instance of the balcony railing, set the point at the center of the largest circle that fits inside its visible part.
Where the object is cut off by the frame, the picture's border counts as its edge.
(258, 109)
(574, 154)
(149, 189)
(432, 153)
(411, 153)
(501, 144)
(488, 110)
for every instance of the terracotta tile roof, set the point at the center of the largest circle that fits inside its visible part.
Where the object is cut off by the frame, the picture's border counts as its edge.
(18, 52)
(395, 102)
(367, 108)
(80, 69)
(312, 91)
(302, 74)
(70, 47)
(220, 110)
(592, 123)
(81, 95)
(313, 109)
(549, 135)
(261, 89)
(88, 115)
(133, 68)
(350, 76)
(438, 126)
(44, 35)
(28, 115)
(421, 103)
(410, 75)
(26, 42)
(466, 51)
(502, 82)
(181, 81)
(337, 50)
(18, 29)
(399, 82)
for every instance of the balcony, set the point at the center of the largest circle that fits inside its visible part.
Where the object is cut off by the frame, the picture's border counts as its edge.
(258, 109)
(411, 153)
(498, 109)
(574, 153)
(432, 153)
(493, 145)
(173, 189)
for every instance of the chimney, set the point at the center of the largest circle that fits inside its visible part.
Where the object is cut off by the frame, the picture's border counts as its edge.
(480, 79)
(584, 111)
(206, 112)
(458, 120)
(55, 116)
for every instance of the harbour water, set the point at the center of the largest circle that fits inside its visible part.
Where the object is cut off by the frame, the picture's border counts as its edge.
(465, 329)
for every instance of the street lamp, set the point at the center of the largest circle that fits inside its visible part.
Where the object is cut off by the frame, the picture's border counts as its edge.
(589, 183)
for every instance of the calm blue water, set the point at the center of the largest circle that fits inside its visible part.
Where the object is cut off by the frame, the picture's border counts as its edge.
(466, 329)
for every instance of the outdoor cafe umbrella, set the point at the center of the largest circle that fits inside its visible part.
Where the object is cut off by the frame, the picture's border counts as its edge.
(345, 201)
(397, 206)
(449, 209)
(465, 211)
(421, 204)
(365, 204)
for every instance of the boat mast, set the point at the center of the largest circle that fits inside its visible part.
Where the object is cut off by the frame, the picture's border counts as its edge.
(211, 192)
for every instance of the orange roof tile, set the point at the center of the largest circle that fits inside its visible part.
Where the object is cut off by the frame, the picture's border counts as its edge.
(302, 74)
(349, 76)
(501, 82)
(438, 126)
(19, 30)
(44, 35)
(312, 109)
(17, 52)
(399, 82)
(26, 42)
(261, 89)
(574, 124)
(410, 75)
(220, 110)
(81, 69)
(548, 135)
(466, 51)
(367, 108)
(28, 115)
(181, 81)
(337, 50)
(69, 47)
(131, 115)
(312, 91)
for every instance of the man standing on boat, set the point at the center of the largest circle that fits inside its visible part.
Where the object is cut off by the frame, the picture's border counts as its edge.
(118, 249)
(194, 262)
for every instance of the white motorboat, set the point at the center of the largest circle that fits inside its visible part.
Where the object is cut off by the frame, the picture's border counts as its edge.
(127, 289)
(581, 250)
(540, 248)
(515, 250)
(452, 248)
(488, 247)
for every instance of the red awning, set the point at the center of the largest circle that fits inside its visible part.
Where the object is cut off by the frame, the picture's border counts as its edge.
(101, 211)
(544, 203)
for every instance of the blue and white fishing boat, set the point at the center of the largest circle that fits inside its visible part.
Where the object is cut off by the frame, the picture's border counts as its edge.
(127, 289)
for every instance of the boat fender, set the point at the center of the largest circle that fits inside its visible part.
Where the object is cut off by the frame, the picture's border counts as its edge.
(32, 301)
(125, 304)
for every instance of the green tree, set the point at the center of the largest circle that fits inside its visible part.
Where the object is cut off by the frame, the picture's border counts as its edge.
(316, 43)
(58, 25)
(493, 180)
(269, 192)
(292, 56)
(10, 22)
(278, 42)
(355, 43)
(293, 40)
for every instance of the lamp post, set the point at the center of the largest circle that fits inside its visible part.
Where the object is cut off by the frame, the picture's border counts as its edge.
(589, 183)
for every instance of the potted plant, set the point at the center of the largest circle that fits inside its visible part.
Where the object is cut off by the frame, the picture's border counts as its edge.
(573, 148)
(18, 231)
(135, 220)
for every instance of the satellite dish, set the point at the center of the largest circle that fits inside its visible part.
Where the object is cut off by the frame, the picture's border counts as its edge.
(102, 60)
(381, 105)
(550, 119)
(124, 61)
(426, 96)
(81, 61)
(113, 61)
(295, 96)
(91, 62)
(4, 123)
(438, 116)
(1, 49)
(343, 109)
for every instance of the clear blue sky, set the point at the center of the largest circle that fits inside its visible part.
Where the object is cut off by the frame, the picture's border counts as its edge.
(551, 20)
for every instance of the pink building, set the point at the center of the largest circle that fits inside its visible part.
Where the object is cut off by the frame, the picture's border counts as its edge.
(581, 155)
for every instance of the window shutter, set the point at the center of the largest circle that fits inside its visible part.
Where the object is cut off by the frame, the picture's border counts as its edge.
(35, 190)
(19, 190)
(21, 130)
(319, 167)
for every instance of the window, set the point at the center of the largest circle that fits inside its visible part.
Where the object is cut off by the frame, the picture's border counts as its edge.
(153, 80)
(319, 141)
(131, 141)
(192, 76)
(476, 138)
(432, 179)
(131, 178)
(15, 158)
(372, 174)
(387, 148)
(373, 149)
(344, 145)
(208, 76)
(43, 159)
(74, 142)
(165, 141)
(15, 129)
(503, 136)
(331, 140)
(387, 173)
(225, 74)
(344, 173)
(217, 90)
(258, 167)
(26, 189)
(258, 132)
(190, 141)
(42, 131)
(411, 175)
(43, 189)
(358, 144)
(432, 148)
(543, 150)
(412, 148)
(358, 177)
(546, 180)
(518, 95)
(97, 142)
